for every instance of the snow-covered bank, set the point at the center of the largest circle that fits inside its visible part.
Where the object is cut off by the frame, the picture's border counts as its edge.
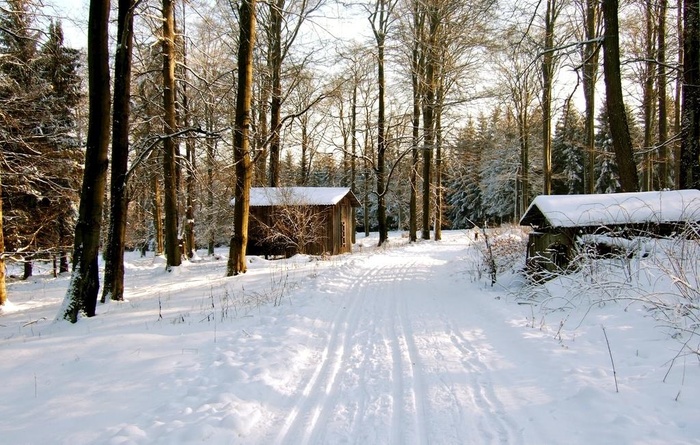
(399, 345)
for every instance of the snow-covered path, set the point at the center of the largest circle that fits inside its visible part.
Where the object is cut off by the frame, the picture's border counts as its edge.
(405, 360)
(404, 345)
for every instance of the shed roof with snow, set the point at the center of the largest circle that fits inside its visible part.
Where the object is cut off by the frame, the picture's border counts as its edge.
(311, 196)
(613, 209)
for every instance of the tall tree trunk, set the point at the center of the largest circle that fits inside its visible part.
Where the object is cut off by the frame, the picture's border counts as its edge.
(590, 74)
(380, 22)
(381, 146)
(210, 186)
(353, 161)
(524, 139)
(3, 288)
(119, 200)
(241, 152)
(648, 100)
(276, 7)
(690, 132)
(261, 148)
(84, 285)
(190, 167)
(172, 248)
(157, 193)
(677, 106)
(664, 151)
(418, 20)
(429, 116)
(438, 171)
(617, 117)
(547, 79)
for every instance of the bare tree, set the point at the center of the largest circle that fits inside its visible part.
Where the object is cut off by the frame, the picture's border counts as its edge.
(381, 18)
(294, 225)
(690, 130)
(619, 129)
(81, 295)
(172, 248)
(119, 200)
(663, 143)
(241, 151)
(553, 7)
(3, 288)
(282, 30)
(589, 55)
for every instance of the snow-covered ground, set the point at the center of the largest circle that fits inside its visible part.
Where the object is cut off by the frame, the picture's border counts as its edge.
(406, 344)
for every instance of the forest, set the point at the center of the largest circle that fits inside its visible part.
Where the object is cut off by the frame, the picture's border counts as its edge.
(438, 114)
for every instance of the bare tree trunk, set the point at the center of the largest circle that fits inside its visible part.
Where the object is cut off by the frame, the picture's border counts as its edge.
(172, 248)
(3, 288)
(380, 19)
(547, 79)
(429, 116)
(210, 188)
(119, 200)
(677, 104)
(241, 152)
(190, 167)
(81, 296)
(353, 161)
(438, 172)
(159, 242)
(664, 158)
(648, 101)
(690, 132)
(416, 75)
(619, 129)
(276, 99)
(590, 74)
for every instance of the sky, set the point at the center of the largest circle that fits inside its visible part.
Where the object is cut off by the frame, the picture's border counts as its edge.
(74, 15)
(403, 344)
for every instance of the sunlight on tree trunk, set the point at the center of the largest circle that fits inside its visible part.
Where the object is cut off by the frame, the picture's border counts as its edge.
(81, 296)
(119, 200)
(241, 153)
(172, 247)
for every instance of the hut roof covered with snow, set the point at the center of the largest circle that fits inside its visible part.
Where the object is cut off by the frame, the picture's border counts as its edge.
(309, 196)
(613, 209)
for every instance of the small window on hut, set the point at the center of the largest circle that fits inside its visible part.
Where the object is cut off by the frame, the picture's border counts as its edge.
(343, 234)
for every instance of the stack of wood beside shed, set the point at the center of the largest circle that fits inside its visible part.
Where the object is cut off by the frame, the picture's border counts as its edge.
(561, 222)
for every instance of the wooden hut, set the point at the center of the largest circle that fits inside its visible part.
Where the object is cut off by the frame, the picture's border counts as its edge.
(559, 222)
(310, 220)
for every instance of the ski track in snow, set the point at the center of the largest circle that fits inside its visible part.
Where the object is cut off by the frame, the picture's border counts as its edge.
(382, 376)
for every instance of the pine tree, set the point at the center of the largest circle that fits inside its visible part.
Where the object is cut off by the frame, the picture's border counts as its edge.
(568, 154)
(464, 195)
(607, 180)
(41, 158)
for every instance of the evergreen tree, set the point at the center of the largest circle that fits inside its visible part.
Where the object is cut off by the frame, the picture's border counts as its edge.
(568, 154)
(463, 192)
(500, 160)
(606, 170)
(41, 157)
(607, 180)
